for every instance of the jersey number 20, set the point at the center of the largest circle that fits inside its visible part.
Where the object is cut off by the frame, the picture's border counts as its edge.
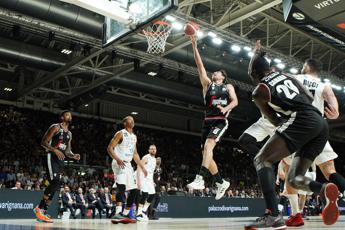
(289, 89)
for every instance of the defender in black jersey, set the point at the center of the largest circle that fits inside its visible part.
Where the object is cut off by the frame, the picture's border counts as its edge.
(220, 98)
(57, 142)
(301, 129)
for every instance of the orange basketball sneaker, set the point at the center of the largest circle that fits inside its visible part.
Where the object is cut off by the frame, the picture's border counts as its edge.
(41, 216)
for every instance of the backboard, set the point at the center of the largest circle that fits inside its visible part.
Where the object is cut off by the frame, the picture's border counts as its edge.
(135, 14)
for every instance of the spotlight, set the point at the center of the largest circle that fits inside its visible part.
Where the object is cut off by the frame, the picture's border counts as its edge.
(281, 65)
(293, 70)
(212, 35)
(236, 48)
(217, 41)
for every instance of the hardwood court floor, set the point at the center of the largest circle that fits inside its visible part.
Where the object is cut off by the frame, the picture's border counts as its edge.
(162, 224)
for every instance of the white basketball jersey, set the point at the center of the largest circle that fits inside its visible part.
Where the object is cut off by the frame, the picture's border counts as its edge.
(150, 166)
(316, 87)
(125, 150)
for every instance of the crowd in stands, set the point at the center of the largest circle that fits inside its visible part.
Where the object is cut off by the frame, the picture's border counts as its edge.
(23, 159)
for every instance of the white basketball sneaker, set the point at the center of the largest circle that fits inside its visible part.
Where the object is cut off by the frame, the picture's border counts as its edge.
(142, 217)
(221, 188)
(197, 184)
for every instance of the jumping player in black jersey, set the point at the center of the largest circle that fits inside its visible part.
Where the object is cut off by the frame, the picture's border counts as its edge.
(301, 129)
(220, 98)
(57, 142)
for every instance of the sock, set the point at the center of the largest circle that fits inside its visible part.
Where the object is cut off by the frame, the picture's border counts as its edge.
(293, 198)
(267, 182)
(315, 187)
(218, 178)
(126, 211)
(118, 209)
(140, 210)
(43, 204)
(203, 171)
(146, 206)
(339, 181)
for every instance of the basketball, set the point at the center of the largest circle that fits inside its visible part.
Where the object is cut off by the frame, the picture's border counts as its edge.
(191, 28)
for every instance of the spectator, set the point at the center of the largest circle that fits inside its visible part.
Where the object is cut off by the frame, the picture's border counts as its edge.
(107, 202)
(94, 203)
(81, 203)
(68, 201)
(18, 186)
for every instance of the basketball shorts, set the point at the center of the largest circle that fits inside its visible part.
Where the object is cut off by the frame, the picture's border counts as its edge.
(327, 154)
(306, 133)
(261, 129)
(213, 128)
(55, 167)
(124, 176)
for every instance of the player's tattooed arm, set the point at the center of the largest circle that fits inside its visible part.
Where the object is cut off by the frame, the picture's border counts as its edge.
(45, 143)
(261, 96)
(69, 152)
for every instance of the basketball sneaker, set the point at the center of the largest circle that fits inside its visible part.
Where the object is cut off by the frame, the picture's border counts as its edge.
(221, 189)
(41, 216)
(197, 184)
(295, 220)
(123, 219)
(329, 195)
(142, 217)
(267, 222)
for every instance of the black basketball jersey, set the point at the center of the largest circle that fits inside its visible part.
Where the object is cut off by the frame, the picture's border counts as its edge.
(157, 178)
(60, 139)
(216, 95)
(287, 94)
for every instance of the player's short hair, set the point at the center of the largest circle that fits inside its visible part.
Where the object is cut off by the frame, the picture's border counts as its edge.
(153, 145)
(223, 72)
(63, 113)
(314, 65)
(126, 118)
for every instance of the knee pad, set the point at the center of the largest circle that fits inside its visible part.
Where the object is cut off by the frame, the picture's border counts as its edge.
(121, 189)
(53, 186)
(150, 198)
(131, 197)
(143, 197)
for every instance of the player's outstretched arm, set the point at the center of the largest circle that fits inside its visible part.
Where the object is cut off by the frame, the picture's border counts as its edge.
(261, 96)
(204, 80)
(332, 108)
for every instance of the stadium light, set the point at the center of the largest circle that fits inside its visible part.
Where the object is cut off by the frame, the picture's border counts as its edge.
(276, 60)
(236, 48)
(293, 70)
(212, 35)
(281, 65)
(177, 25)
(247, 48)
(217, 41)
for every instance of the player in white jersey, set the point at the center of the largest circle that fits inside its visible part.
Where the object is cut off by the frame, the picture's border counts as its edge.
(146, 184)
(123, 149)
(322, 94)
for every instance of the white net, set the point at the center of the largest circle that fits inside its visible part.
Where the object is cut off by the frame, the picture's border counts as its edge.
(156, 36)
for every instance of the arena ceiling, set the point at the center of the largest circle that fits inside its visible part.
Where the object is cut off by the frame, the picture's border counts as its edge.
(34, 33)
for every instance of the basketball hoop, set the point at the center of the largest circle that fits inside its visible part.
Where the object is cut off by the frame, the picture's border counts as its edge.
(156, 36)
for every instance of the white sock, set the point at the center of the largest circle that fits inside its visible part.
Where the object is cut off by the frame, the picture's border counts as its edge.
(118, 209)
(293, 198)
(125, 212)
(140, 210)
(146, 206)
